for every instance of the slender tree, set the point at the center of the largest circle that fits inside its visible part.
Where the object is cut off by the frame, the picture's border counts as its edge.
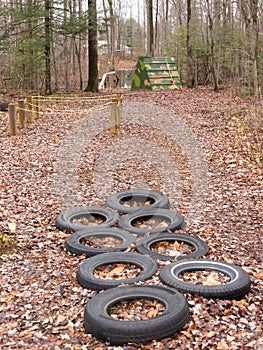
(150, 33)
(92, 47)
(156, 41)
(250, 11)
(212, 34)
(47, 47)
(112, 35)
(190, 73)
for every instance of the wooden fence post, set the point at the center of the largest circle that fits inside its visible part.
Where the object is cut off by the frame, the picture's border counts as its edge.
(113, 117)
(119, 110)
(35, 103)
(30, 109)
(22, 114)
(12, 120)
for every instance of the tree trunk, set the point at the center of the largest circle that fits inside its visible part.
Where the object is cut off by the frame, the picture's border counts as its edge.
(190, 66)
(79, 47)
(254, 44)
(166, 19)
(250, 15)
(156, 28)
(66, 48)
(93, 47)
(150, 34)
(47, 47)
(30, 72)
(212, 47)
(107, 28)
(113, 39)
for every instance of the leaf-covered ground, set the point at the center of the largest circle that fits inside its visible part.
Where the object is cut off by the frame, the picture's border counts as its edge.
(41, 305)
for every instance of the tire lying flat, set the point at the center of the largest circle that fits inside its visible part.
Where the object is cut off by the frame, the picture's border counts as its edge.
(100, 324)
(117, 201)
(65, 220)
(144, 245)
(87, 279)
(176, 220)
(74, 245)
(238, 285)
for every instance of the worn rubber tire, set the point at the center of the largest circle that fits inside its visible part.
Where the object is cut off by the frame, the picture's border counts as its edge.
(64, 219)
(87, 279)
(74, 245)
(3, 106)
(99, 323)
(144, 245)
(115, 201)
(176, 220)
(238, 285)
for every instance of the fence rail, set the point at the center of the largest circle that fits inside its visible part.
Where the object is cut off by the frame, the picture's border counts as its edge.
(30, 109)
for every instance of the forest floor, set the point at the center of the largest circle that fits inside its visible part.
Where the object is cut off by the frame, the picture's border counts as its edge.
(41, 305)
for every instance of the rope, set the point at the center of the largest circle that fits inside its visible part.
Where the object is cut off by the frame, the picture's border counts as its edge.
(28, 110)
(81, 111)
(69, 98)
(36, 108)
(65, 110)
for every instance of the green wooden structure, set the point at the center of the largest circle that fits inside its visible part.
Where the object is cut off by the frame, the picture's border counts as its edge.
(155, 73)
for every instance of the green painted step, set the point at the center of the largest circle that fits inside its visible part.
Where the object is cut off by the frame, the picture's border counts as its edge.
(154, 73)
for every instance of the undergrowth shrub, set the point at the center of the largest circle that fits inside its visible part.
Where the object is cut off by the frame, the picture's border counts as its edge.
(250, 132)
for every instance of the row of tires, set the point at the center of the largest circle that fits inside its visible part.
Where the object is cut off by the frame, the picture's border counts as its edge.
(123, 214)
(77, 218)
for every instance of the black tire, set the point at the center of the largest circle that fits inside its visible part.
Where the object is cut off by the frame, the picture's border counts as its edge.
(157, 199)
(144, 245)
(87, 279)
(174, 217)
(98, 322)
(64, 220)
(238, 285)
(3, 106)
(74, 245)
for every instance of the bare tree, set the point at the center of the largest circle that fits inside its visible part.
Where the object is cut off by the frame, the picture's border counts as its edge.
(93, 47)
(249, 10)
(112, 34)
(150, 34)
(48, 47)
(212, 34)
(190, 71)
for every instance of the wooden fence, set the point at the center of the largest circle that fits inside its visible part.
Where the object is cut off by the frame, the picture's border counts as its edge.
(28, 110)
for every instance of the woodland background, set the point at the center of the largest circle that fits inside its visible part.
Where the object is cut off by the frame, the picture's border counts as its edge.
(44, 45)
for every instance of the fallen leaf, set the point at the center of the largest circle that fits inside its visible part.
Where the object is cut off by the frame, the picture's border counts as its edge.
(152, 313)
(70, 326)
(12, 227)
(116, 271)
(211, 334)
(227, 311)
(222, 345)
(187, 334)
(60, 319)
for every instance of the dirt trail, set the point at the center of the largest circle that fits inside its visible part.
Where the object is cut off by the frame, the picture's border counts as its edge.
(41, 302)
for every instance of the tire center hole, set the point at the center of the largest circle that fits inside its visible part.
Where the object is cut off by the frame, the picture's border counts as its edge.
(172, 248)
(148, 222)
(116, 271)
(205, 277)
(100, 242)
(136, 309)
(89, 219)
(136, 201)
